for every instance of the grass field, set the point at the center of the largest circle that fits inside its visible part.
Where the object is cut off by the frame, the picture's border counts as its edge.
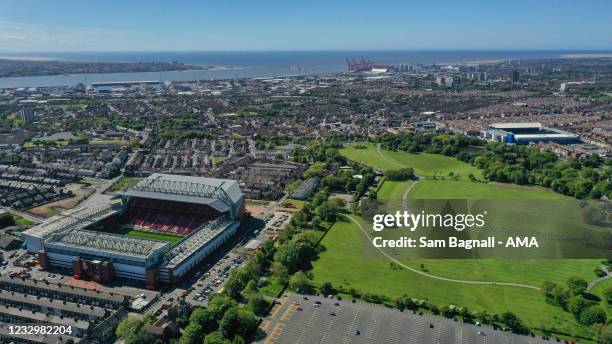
(599, 290)
(392, 190)
(424, 164)
(465, 189)
(298, 204)
(344, 265)
(110, 142)
(125, 183)
(344, 247)
(171, 238)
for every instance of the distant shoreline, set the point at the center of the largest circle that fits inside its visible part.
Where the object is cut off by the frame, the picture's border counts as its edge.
(586, 56)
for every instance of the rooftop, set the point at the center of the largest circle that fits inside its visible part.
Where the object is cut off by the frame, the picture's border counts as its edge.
(221, 194)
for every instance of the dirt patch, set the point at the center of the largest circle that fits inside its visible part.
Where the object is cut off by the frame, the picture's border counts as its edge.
(80, 191)
(255, 210)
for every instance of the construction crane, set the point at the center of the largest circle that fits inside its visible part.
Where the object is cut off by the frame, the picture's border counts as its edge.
(361, 64)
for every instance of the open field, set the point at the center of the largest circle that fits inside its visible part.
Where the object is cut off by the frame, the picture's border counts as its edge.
(345, 266)
(598, 290)
(125, 183)
(110, 142)
(424, 164)
(392, 190)
(465, 189)
(556, 213)
(171, 238)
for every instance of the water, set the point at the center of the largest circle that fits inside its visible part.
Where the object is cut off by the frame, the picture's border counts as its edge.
(256, 64)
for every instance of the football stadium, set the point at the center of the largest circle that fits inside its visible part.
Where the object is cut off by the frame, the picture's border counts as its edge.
(156, 232)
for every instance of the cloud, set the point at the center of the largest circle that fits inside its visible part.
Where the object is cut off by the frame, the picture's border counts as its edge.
(35, 37)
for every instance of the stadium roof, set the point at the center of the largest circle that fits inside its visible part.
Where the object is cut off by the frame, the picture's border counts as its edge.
(107, 245)
(516, 125)
(221, 194)
(75, 218)
(555, 135)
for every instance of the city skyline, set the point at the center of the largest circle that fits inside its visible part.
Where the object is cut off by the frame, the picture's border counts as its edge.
(37, 26)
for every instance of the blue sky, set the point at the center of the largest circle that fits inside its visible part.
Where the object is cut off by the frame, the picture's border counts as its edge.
(135, 25)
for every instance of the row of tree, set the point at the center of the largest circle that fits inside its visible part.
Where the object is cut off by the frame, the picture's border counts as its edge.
(590, 177)
(574, 299)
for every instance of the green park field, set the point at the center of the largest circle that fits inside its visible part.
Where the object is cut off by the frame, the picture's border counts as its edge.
(345, 263)
(424, 164)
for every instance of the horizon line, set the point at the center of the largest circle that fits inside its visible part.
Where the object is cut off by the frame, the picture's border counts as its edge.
(315, 50)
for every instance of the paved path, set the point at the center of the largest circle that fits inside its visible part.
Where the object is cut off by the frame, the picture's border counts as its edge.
(387, 159)
(365, 232)
(405, 208)
(600, 279)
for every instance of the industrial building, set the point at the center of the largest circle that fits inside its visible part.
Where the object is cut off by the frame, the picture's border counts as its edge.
(98, 243)
(525, 133)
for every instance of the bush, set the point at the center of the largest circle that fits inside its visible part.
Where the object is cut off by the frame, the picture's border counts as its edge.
(593, 315)
(400, 175)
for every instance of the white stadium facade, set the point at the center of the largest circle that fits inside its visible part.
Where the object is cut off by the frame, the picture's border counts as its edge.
(117, 240)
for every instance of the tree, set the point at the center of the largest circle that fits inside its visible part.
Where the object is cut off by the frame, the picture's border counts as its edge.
(560, 296)
(593, 315)
(233, 287)
(513, 322)
(293, 254)
(608, 295)
(205, 318)
(404, 302)
(128, 324)
(218, 304)
(298, 282)
(6, 220)
(576, 305)
(400, 175)
(215, 338)
(327, 288)
(279, 271)
(238, 340)
(258, 305)
(193, 334)
(548, 289)
(577, 285)
(237, 322)
(148, 318)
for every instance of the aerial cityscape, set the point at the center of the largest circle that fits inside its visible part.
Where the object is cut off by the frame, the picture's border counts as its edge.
(198, 172)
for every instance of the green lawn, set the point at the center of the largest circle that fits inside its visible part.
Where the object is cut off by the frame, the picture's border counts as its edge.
(344, 264)
(465, 189)
(345, 250)
(272, 288)
(598, 290)
(392, 190)
(125, 183)
(219, 159)
(20, 221)
(298, 204)
(110, 142)
(171, 238)
(424, 164)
